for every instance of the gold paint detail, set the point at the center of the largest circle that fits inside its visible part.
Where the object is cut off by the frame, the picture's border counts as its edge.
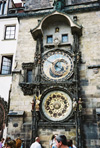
(56, 105)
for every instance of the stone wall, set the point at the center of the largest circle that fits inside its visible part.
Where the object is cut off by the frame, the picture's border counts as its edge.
(44, 4)
(46, 134)
(89, 75)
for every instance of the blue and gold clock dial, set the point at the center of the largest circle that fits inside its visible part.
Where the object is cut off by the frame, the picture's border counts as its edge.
(56, 105)
(57, 66)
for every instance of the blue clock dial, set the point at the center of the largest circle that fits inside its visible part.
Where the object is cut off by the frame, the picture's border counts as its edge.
(57, 66)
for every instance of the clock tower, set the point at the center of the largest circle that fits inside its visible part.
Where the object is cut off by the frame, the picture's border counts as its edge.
(55, 70)
(57, 58)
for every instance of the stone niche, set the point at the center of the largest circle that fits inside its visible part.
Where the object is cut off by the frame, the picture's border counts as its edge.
(16, 119)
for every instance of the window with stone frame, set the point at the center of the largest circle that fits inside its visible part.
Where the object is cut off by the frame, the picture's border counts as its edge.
(10, 32)
(6, 65)
(64, 38)
(29, 75)
(28, 72)
(2, 7)
(49, 39)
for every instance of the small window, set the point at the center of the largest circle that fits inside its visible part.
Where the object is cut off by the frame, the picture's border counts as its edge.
(29, 75)
(64, 38)
(24, 4)
(10, 32)
(0, 8)
(49, 39)
(4, 8)
(6, 65)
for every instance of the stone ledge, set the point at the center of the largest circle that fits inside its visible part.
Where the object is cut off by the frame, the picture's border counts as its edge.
(16, 113)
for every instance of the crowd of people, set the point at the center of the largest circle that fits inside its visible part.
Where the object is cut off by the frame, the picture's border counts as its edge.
(10, 143)
(57, 141)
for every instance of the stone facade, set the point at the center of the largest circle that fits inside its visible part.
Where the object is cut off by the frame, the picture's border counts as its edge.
(89, 73)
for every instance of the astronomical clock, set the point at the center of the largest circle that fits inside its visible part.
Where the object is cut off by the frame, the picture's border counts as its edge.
(55, 72)
(57, 58)
(56, 105)
(57, 66)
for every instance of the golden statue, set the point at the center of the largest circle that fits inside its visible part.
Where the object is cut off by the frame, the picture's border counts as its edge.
(74, 104)
(37, 107)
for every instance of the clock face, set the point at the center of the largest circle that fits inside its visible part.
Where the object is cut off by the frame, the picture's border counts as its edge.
(57, 66)
(56, 105)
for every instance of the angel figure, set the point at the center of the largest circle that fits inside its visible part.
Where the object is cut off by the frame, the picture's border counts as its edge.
(37, 103)
(74, 104)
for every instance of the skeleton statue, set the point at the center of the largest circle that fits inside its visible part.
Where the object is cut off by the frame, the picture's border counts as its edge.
(80, 104)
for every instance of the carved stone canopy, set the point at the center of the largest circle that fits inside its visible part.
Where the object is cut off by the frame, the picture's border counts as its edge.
(38, 31)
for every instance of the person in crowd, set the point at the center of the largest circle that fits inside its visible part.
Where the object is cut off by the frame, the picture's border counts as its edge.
(70, 144)
(10, 144)
(61, 141)
(53, 142)
(1, 142)
(36, 144)
(18, 143)
(7, 139)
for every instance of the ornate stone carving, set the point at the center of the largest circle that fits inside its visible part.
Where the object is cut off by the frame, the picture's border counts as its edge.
(27, 65)
(27, 88)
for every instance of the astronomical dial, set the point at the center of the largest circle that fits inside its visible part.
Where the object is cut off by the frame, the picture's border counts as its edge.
(57, 66)
(56, 105)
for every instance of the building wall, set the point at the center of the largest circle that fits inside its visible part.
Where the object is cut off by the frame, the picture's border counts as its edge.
(7, 47)
(89, 77)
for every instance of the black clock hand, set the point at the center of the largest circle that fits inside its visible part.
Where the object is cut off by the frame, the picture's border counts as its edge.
(53, 63)
(57, 66)
(49, 61)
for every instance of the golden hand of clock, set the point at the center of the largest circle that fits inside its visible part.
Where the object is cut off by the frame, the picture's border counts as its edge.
(54, 64)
